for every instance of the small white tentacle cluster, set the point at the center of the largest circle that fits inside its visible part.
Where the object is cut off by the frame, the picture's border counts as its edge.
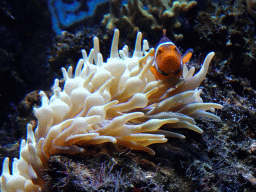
(117, 101)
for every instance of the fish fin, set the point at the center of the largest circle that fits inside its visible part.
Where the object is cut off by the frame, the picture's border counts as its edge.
(164, 32)
(158, 75)
(155, 72)
(187, 56)
(164, 39)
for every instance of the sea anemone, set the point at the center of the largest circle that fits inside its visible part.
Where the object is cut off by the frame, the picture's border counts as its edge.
(117, 101)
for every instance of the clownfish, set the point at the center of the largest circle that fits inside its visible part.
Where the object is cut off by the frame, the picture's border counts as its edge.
(168, 62)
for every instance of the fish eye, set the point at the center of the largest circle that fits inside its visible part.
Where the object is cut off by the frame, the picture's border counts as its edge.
(160, 50)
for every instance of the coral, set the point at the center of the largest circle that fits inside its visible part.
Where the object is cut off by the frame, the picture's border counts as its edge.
(107, 173)
(251, 7)
(27, 103)
(226, 162)
(119, 101)
(228, 30)
(150, 17)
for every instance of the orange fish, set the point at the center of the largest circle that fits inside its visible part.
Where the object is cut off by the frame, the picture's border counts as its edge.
(168, 62)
